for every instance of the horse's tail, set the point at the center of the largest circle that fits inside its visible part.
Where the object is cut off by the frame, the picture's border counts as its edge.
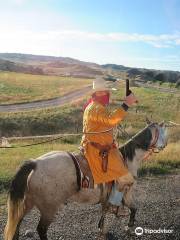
(16, 206)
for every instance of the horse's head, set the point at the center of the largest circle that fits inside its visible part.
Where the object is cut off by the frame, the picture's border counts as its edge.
(159, 135)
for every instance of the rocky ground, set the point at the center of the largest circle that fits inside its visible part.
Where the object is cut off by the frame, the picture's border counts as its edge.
(159, 208)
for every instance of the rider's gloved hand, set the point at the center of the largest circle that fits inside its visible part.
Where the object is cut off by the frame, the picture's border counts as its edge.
(130, 100)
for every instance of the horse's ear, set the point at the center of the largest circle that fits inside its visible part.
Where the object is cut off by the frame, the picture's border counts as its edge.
(148, 121)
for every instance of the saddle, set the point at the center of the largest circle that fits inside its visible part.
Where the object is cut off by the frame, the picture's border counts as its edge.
(84, 175)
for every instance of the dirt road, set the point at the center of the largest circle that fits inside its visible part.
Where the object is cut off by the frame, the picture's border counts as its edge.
(159, 209)
(67, 98)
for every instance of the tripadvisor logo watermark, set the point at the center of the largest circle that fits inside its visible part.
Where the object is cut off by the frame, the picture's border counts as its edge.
(139, 231)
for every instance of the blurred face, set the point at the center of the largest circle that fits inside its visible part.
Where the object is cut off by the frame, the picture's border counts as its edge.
(101, 97)
(101, 93)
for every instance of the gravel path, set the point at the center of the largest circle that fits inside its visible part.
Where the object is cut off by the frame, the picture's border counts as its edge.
(67, 98)
(159, 208)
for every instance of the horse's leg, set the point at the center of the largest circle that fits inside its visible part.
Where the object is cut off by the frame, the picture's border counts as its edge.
(104, 204)
(132, 217)
(129, 201)
(126, 185)
(101, 221)
(43, 227)
(45, 220)
(104, 228)
(104, 223)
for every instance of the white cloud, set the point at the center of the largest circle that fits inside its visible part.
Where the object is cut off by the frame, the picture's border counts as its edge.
(177, 41)
(17, 2)
(17, 36)
(159, 41)
(90, 46)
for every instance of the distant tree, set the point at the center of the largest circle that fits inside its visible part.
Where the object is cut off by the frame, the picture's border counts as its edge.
(160, 77)
(173, 77)
(134, 71)
(178, 83)
(150, 74)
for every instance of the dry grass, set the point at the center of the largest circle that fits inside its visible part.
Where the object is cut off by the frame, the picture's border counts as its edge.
(10, 159)
(20, 87)
(163, 162)
(161, 106)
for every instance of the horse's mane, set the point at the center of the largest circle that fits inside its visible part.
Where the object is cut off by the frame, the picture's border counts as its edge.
(141, 140)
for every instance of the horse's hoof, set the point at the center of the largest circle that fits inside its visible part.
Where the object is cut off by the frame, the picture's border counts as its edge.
(110, 236)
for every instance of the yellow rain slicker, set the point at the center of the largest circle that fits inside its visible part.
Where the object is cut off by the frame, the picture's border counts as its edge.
(98, 118)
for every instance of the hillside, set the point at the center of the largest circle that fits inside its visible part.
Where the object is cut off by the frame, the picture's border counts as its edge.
(145, 75)
(48, 65)
(65, 66)
(11, 66)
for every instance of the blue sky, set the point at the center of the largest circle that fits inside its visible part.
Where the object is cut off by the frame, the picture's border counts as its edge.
(136, 33)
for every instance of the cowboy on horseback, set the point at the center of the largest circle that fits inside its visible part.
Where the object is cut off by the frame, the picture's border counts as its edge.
(104, 158)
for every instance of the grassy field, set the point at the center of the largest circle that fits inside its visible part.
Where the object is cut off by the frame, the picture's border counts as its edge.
(152, 103)
(20, 87)
(41, 122)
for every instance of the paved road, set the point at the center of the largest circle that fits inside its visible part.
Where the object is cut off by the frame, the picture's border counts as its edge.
(69, 97)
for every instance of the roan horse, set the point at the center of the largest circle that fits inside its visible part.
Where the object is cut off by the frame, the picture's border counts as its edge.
(48, 181)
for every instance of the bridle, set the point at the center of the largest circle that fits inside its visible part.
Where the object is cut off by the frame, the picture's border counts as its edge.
(154, 140)
(152, 148)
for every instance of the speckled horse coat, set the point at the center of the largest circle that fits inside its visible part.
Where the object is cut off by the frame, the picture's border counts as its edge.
(50, 180)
